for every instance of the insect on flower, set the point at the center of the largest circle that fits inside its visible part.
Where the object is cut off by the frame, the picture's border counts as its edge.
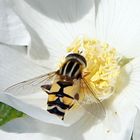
(66, 86)
(69, 86)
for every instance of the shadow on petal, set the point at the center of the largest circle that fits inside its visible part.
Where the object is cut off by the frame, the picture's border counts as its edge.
(71, 10)
(97, 2)
(38, 51)
(29, 125)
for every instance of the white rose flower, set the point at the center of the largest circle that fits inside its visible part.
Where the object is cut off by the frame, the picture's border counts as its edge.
(34, 37)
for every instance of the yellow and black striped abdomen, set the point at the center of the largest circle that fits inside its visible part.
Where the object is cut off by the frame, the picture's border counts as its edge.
(61, 97)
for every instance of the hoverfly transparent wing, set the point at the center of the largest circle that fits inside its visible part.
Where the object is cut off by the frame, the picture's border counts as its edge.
(32, 85)
(90, 101)
(95, 107)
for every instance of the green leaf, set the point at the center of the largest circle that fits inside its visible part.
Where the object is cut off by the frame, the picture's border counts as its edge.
(8, 113)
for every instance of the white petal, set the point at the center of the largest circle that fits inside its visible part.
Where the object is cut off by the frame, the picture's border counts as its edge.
(85, 129)
(131, 86)
(12, 30)
(118, 24)
(56, 24)
(127, 94)
(21, 129)
(29, 109)
(15, 66)
(99, 132)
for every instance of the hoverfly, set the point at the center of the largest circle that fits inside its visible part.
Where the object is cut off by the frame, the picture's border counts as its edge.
(65, 87)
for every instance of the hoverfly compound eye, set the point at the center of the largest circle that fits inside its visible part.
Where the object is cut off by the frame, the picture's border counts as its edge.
(77, 57)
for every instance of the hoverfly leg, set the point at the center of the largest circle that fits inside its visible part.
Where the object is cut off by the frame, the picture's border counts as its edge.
(63, 118)
(76, 97)
(46, 88)
(85, 74)
(70, 107)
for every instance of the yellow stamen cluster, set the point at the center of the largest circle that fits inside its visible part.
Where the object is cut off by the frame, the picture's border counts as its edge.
(102, 65)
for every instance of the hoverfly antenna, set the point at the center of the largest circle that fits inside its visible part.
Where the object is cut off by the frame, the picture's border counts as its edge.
(77, 57)
(80, 52)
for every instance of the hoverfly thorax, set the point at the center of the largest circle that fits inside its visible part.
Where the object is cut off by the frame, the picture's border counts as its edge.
(73, 66)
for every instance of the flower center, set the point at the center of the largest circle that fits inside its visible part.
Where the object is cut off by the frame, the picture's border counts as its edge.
(102, 65)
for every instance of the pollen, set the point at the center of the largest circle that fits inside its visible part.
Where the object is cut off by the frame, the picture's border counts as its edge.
(102, 68)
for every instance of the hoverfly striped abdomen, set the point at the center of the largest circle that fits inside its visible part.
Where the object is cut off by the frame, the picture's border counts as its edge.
(58, 100)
